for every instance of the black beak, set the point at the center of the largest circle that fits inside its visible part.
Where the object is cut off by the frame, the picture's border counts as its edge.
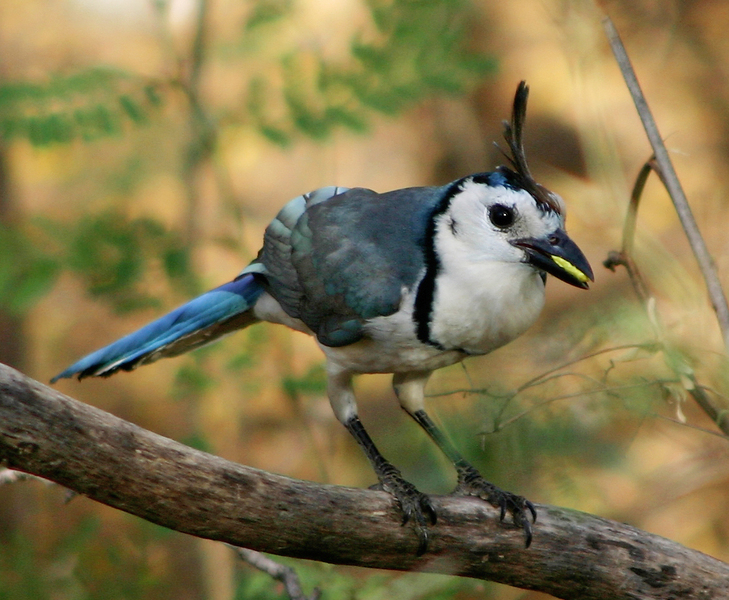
(558, 255)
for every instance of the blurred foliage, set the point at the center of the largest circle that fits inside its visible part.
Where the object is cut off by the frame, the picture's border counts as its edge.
(27, 273)
(111, 254)
(83, 563)
(579, 416)
(314, 382)
(264, 12)
(418, 49)
(86, 105)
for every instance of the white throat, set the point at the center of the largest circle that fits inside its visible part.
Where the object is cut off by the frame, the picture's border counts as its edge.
(480, 305)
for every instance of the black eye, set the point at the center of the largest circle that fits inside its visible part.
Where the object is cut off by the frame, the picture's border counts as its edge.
(501, 216)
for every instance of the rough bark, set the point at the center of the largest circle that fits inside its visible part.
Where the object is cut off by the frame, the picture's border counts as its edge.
(573, 555)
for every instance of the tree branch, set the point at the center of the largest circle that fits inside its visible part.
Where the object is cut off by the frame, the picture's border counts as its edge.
(282, 573)
(664, 168)
(624, 258)
(574, 555)
(661, 163)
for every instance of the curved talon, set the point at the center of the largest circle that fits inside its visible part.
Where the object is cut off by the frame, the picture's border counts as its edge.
(423, 537)
(471, 483)
(431, 513)
(413, 504)
(423, 545)
(527, 533)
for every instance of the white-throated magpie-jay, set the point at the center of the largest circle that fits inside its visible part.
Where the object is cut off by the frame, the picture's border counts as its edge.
(403, 282)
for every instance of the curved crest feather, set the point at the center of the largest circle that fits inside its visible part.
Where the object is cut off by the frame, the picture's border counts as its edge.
(513, 134)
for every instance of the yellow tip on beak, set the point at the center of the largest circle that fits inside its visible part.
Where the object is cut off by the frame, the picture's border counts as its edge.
(567, 266)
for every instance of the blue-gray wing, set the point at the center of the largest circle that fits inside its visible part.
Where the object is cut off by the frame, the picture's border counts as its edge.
(338, 257)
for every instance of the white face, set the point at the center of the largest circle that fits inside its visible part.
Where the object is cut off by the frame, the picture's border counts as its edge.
(483, 220)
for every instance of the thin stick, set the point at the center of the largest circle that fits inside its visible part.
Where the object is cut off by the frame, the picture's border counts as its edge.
(277, 571)
(665, 170)
(716, 412)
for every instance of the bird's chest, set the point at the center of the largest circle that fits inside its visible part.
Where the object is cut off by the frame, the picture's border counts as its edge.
(480, 307)
(391, 345)
(475, 310)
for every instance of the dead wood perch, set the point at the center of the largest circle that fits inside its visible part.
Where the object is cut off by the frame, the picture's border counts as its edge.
(107, 459)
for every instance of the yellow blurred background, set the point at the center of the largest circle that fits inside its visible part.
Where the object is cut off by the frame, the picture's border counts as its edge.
(212, 152)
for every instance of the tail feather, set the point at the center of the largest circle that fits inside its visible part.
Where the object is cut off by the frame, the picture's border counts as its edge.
(200, 321)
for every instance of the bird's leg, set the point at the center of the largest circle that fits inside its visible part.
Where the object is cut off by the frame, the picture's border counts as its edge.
(415, 505)
(410, 390)
(471, 483)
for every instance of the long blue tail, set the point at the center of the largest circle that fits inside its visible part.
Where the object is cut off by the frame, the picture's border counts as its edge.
(202, 320)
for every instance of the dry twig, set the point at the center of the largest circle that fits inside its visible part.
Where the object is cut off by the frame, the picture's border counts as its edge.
(661, 163)
(664, 168)
(277, 571)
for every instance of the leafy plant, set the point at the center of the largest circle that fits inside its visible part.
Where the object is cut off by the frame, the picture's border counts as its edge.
(414, 50)
(86, 105)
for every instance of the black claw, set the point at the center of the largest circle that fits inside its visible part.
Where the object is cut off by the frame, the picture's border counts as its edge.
(423, 538)
(415, 505)
(471, 483)
(431, 513)
(527, 533)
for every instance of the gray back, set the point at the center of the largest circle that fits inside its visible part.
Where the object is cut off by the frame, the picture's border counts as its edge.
(337, 257)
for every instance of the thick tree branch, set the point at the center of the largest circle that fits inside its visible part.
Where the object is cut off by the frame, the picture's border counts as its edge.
(574, 555)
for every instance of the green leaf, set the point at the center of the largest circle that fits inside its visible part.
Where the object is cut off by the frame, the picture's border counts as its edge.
(275, 134)
(36, 281)
(176, 261)
(267, 11)
(313, 382)
(87, 104)
(191, 379)
(133, 109)
(26, 272)
(342, 116)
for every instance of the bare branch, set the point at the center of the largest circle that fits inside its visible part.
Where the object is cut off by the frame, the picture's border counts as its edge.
(279, 572)
(574, 555)
(604, 389)
(661, 163)
(548, 374)
(664, 168)
(624, 258)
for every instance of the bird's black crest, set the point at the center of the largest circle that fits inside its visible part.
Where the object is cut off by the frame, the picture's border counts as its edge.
(520, 170)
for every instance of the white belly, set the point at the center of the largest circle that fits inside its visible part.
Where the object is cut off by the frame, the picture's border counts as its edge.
(379, 356)
(469, 317)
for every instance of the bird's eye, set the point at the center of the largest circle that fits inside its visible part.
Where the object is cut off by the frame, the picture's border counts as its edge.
(501, 216)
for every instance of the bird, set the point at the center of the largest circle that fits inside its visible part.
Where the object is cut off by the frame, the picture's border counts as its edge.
(403, 282)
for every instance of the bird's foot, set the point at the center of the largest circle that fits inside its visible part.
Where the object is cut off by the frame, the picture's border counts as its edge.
(414, 505)
(471, 483)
